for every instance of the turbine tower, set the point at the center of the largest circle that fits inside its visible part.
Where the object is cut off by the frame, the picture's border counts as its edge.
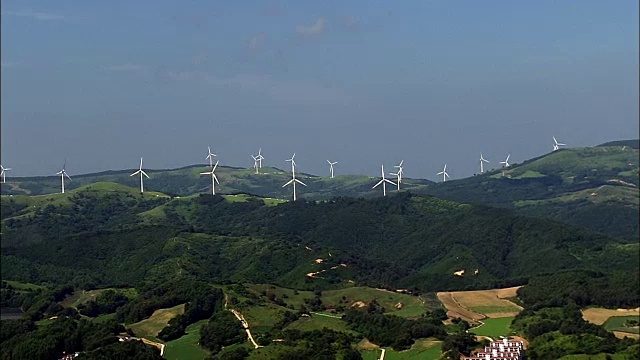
(556, 144)
(398, 174)
(62, 174)
(214, 178)
(4, 173)
(506, 161)
(210, 156)
(255, 163)
(293, 178)
(482, 160)
(141, 172)
(384, 182)
(444, 173)
(331, 167)
(260, 158)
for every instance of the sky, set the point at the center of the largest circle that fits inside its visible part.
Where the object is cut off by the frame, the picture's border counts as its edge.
(103, 83)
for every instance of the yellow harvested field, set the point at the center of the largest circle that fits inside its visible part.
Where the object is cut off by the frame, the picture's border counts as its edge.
(622, 335)
(480, 304)
(599, 316)
(365, 344)
(157, 321)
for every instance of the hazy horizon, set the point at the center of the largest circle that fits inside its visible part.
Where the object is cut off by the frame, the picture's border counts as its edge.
(102, 84)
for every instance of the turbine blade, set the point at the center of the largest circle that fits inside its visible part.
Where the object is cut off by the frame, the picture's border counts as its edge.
(288, 182)
(215, 166)
(145, 174)
(69, 177)
(215, 178)
(376, 185)
(390, 182)
(299, 182)
(135, 173)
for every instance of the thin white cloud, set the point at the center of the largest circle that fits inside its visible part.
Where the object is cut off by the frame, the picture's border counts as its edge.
(38, 15)
(125, 68)
(256, 41)
(280, 90)
(315, 29)
(5, 64)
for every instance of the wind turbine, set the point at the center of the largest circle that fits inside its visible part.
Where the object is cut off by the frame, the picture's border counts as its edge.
(506, 161)
(399, 173)
(141, 172)
(214, 178)
(556, 144)
(384, 182)
(293, 178)
(482, 160)
(4, 173)
(255, 163)
(444, 173)
(210, 156)
(331, 167)
(62, 174)
(260, 158)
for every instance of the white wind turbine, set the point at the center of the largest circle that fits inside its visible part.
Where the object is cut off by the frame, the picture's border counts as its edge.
(482, 160)
(210, 156)
(4, 173)
(384, 182)
(506, 161)
(444, 173)
(293, 178)
(141, 172)
(62, 174)
(255, 163)
(331, 167)
(556, 144)
(260, 158)
(399, 173)
(214, 178)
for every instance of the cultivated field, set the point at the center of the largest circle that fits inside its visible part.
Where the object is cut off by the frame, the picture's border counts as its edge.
(599, 316)
(494, 328)
(150, 327)
(480, 304)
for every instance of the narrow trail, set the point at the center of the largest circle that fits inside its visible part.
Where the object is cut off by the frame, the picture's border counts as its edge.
(327, 315)
(382, 354)
(242, 320)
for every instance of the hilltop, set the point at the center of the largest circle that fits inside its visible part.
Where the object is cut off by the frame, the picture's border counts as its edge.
(593, 187)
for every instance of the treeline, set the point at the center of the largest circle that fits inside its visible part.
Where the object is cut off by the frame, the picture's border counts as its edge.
(22, 339)
(584, 288)
(107, 302)
(178, 291)
(555, 332)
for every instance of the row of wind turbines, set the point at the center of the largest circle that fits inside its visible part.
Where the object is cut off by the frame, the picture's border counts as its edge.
(258, 165)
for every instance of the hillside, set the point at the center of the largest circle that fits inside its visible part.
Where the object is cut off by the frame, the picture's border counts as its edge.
(595, 188)
(188, 181)
(108, 235)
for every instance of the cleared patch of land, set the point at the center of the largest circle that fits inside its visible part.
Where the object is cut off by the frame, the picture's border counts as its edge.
(494, 328)
(423, 349)
(476, 305)
(186, 347)
(159, 319)
(319, 322)
(599, 316)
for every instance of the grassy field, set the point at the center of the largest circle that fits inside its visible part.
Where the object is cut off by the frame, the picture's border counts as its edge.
(411, 305)
(319, 322)
(423, 349)
(23, 286)
(599, 316)
(80, 296)
(261, 318)
(475, 305)
(150, 327)
(186, 347)
(618, 323)
(494, 328)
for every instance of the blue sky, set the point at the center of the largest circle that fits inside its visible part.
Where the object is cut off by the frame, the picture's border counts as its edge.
(102, 83)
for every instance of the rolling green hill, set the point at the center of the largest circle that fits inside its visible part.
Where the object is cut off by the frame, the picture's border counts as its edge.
(595, 188)
(109, 235)
(188, 181)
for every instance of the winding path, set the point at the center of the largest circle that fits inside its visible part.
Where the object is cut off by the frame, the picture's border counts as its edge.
(242, 320)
